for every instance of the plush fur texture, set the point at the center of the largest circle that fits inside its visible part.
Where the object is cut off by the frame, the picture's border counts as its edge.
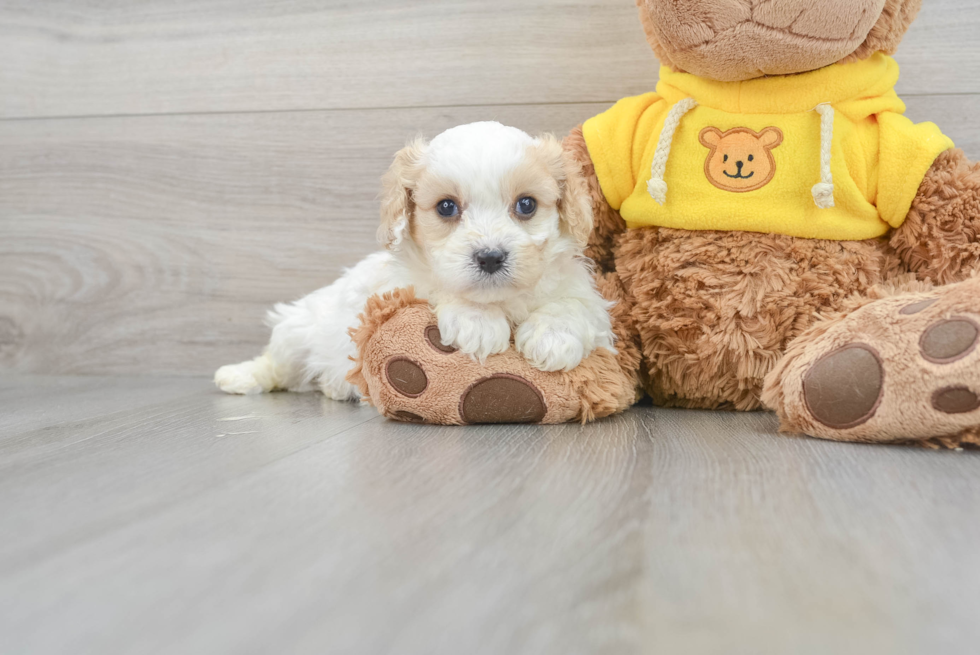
(894, 21)
(940, 239)
(540, 288)
(716, 310)
(733, 40)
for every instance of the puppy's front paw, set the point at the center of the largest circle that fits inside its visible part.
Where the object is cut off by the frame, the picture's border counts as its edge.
(548, 346)
(479, 332)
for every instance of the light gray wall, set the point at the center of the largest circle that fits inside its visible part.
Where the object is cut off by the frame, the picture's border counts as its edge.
(169, 169)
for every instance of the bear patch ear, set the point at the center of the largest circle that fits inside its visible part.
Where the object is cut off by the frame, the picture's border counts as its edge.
(710, 137)
(771, 137)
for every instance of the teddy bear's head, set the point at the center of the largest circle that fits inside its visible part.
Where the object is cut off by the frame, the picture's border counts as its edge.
(733, 40)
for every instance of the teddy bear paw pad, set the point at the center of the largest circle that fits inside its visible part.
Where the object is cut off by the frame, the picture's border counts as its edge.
(844, 387)
(955, 400)
(902, 368)
(502, 398)
(946, 341)
(406, 377)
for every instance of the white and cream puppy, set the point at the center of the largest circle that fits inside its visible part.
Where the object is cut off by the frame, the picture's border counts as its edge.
(487, 223)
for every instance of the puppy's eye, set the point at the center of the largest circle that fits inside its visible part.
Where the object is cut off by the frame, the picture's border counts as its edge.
(751, 157)
(525, 206)
(447, 208)
(725, 158)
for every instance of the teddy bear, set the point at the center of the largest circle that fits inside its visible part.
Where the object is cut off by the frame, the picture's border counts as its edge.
(774, 233)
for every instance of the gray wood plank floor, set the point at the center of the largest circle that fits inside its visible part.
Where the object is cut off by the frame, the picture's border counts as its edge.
(159, 516)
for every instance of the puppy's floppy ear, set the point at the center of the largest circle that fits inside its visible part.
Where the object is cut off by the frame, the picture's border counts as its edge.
(575, 203)
(398, 184)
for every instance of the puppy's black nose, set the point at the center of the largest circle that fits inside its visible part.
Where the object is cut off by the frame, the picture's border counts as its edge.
(740, 164)
(490, 261)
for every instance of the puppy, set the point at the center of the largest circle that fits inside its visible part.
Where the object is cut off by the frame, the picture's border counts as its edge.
(487, 223)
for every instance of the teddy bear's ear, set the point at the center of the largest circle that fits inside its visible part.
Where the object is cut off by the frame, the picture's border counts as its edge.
(888, 31)
(398, 184)
(710, 137)
(771, 137)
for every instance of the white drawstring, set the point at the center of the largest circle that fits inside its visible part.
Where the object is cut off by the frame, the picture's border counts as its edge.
(823, 191)
(656, 187)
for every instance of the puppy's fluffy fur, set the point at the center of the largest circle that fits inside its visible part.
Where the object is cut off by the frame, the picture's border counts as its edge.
(542, 288)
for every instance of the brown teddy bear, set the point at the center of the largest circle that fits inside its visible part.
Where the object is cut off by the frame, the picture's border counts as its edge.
(774, 232)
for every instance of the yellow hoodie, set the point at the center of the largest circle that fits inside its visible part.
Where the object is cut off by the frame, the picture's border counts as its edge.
(820, 155)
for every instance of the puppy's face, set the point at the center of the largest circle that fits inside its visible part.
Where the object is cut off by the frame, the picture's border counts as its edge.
(487, 207)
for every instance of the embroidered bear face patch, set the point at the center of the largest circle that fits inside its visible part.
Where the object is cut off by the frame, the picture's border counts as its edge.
(740, 159)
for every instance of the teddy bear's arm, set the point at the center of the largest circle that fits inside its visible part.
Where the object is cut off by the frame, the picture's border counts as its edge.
(940, 239)
(607, 221)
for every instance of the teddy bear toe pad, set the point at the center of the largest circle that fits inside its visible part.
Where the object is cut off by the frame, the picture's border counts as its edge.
(944, 342)
(406, 377)
(955, 400)
(905, 367)
(844, 387)
(502, 398)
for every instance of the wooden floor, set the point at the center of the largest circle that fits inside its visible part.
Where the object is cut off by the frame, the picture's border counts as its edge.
(150, 516)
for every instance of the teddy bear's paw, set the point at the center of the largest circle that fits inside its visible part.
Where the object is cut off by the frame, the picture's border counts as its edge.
(903, 368)
(405, 368)
(412, 375)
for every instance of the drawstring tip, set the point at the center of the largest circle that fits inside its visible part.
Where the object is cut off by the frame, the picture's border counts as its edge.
(823, 195)
(657, 190)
